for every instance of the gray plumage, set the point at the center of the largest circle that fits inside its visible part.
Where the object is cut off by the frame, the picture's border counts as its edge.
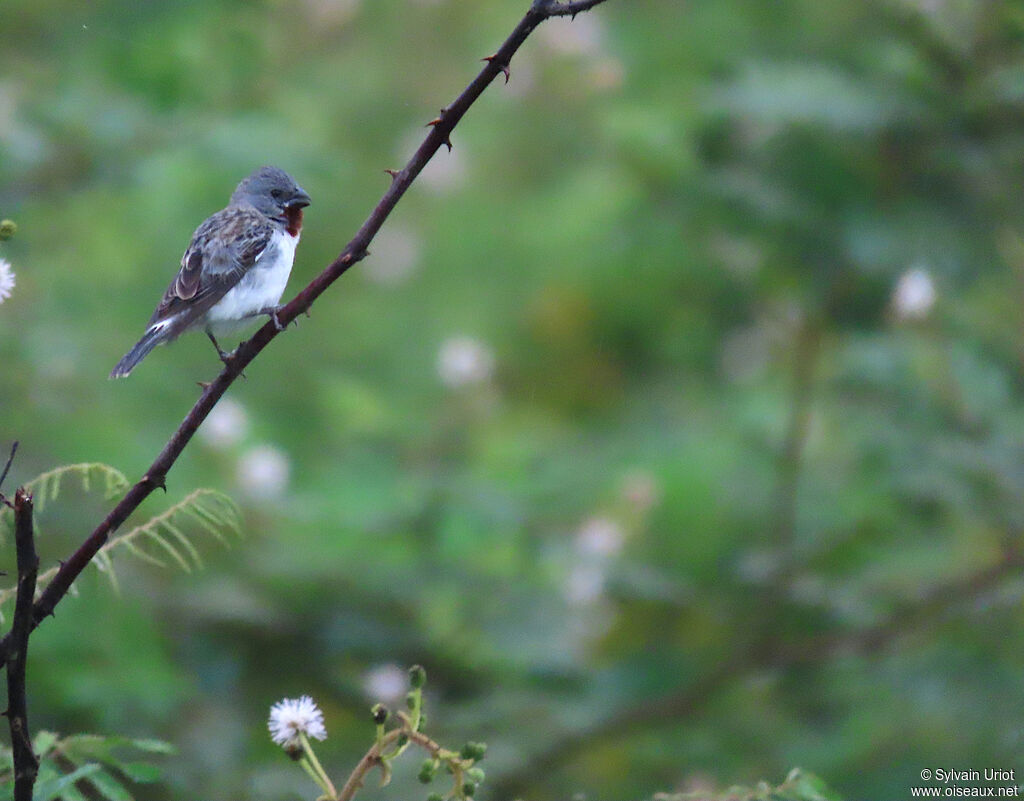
(235, 267)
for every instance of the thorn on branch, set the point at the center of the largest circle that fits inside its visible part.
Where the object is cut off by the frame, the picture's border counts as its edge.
(503, 67)
(158, 483)
(392, 173)
(60, 585)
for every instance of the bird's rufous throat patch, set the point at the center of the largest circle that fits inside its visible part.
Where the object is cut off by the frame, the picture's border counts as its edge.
(294, 216)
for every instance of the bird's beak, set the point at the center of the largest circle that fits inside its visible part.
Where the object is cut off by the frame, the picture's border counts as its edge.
(299, 200)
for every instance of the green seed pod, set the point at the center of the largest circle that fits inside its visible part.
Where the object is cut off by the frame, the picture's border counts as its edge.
(474, 751)
(8, 228)
(476, 774)
(427, 771)
(435, 797)
(411, 700)
(417, 676)
(403, 739)
(468, 788)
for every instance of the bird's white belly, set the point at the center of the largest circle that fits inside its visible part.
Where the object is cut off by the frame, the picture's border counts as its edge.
(260, 288)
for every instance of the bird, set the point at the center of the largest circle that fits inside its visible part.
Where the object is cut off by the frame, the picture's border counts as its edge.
(235, 268)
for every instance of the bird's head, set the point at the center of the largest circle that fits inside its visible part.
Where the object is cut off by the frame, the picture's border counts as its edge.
(272, 191)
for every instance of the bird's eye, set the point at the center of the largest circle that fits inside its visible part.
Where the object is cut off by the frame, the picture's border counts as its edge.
(275, 193)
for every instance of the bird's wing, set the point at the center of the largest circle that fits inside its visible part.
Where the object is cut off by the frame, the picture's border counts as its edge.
(223, 249)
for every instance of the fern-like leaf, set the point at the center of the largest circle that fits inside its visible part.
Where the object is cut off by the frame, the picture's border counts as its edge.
(165, 535)
(46, 487)
(86, 766)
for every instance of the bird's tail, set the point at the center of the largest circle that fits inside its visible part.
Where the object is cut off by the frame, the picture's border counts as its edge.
(155, 335)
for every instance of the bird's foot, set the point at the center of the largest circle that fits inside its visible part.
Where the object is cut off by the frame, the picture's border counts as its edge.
(227, 358)
(271, 311)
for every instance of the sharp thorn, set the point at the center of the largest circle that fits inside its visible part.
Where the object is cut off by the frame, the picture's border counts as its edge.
(503, 67)
(433, 122)
(204, 384)
(392, 173)
(448, 143)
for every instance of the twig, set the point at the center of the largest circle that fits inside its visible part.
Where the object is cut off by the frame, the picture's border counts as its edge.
(355, 250)
(7, 467)
(26, 765)
(372, 758)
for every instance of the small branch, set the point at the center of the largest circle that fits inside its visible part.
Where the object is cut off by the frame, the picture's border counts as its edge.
(26, 765)
(355, 251)
(7, 467)
(372, 758)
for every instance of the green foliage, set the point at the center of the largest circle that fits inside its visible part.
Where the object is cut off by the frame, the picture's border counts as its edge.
(165, 537)
(163, 540)
(626, 543)
(47, 486)
(83, 766)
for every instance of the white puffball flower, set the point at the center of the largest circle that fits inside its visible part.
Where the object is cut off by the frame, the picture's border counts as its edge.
(263, 471)
(463, 361)
(600, 537)
(226, 425)
(6, 280)
(914, 295)
(292, 717)
(387, 683)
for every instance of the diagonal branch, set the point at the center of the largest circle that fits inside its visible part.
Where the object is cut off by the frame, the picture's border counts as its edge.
(355, 250)
(26, 765)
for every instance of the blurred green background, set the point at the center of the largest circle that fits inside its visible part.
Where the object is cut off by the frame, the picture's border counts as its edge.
(675, 423)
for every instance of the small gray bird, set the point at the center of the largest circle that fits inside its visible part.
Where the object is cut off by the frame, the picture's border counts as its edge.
(235, 268)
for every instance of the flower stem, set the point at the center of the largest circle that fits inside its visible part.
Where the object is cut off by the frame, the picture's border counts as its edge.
(315, 769)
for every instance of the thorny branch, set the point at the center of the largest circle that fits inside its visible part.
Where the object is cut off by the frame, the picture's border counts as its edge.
(440, 134)
(26, 765)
